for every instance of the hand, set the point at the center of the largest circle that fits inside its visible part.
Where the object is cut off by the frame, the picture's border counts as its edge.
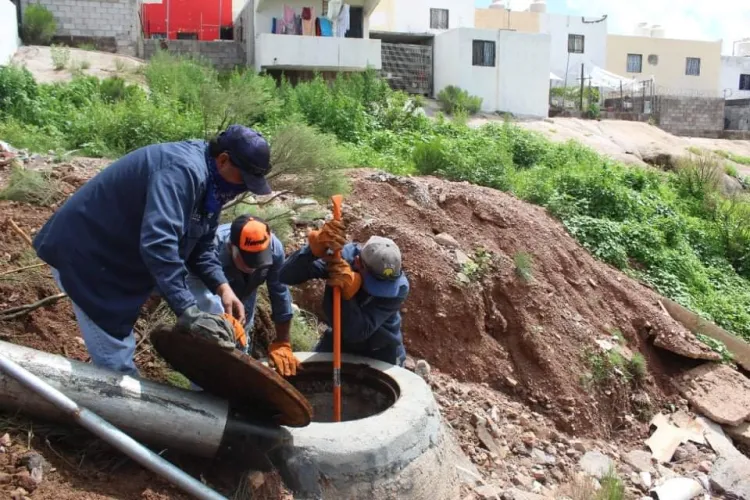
(208, 326)
(283, 359)
(232, 305)
(331, 237)
(340, 275)
(240, 337)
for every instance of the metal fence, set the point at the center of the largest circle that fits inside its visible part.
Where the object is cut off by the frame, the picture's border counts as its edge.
(408, 67)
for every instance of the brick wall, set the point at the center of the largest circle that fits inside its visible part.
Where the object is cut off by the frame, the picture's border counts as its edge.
(223, 54)
(737, 114)
(80, 20)
(690, 116)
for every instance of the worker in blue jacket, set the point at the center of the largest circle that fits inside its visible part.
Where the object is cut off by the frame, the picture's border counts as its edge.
(251, 255)
(373, 288)
(139, 226)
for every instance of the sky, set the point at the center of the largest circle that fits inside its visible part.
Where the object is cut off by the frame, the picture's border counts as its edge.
(728, 20)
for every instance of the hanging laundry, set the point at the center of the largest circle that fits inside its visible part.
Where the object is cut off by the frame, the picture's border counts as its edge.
(273, 26)
(297, 25)
(326, 27)
(308, 21)
(317, 27)
(342, 26)
(334, 9)
(288, 21)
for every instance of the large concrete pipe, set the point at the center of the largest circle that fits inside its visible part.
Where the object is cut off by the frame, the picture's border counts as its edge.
(165, 416)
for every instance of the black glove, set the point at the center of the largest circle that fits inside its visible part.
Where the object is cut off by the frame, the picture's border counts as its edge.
(208, 326)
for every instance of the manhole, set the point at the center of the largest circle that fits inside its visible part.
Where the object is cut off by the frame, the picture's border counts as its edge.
(365, 391)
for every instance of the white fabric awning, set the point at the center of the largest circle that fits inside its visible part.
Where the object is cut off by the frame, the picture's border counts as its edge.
(554, 77)
(603, 78)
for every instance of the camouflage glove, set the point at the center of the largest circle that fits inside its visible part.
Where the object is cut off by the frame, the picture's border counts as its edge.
(211, 327)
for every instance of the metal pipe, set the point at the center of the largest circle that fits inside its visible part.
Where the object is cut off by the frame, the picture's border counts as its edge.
(110, 433)
(190, 421)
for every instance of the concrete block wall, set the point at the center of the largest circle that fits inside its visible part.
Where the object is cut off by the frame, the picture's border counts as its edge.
(690, 116)
(737, 114)
(96, 19)
(223, 54)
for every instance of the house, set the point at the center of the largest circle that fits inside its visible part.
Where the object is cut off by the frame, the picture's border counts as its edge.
(735, 77)
(422, 16)
(678, 67)
(8, 31)
(271, 33)
(187, 19)
(509, 70)
(575, 41)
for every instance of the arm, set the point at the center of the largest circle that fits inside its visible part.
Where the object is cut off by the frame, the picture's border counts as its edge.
(302, 266)
(204, 260)
(278, 294)
(359, 322)
(169, 201)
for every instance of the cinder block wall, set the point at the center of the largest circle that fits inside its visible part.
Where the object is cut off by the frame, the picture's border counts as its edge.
(222, 54)
(691, 116)
(81, 19)
(737, 114)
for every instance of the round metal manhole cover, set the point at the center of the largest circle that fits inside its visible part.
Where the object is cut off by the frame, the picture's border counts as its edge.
(249, 386)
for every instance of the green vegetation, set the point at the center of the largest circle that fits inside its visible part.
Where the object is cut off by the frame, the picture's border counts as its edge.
(31, 186)
(454, 101)
(479, 264)
(524, 266)
(87, 46)
(637, 367)
(304, 333)
(673, 231)
(38, 26)
(611, 366)
(60, 57)
(718, 347)
(731, 171)
(177, 379)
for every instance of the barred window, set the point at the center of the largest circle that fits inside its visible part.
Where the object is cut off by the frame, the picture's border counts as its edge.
(483, 53)
(576, 44)
(439, 19)
(744, 82)
(635, 63)
(693, 66)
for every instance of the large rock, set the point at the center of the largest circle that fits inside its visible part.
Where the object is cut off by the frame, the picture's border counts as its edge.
(596, 464)
(640, 460)
(682, 342)
(740, 433)
(717, 391)
(732, 476)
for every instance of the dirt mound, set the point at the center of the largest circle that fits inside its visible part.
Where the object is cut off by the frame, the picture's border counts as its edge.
(501, 294)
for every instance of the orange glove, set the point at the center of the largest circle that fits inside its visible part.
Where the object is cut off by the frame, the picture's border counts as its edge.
(331, 237)
(340, 274)
(240, 337)
(283, 359)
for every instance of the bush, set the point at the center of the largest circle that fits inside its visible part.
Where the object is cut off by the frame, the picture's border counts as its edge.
(112, 89)
(455, 100)
(39, 25)
(60, 57)
(699, 174)
(32, 186)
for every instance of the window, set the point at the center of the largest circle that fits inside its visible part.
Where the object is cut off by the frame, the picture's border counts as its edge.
(159, 36)
(575, 44)
(484, 53)
(439, 19)
(184, 35)
(744, 82)
(635, 63)
(693, 66)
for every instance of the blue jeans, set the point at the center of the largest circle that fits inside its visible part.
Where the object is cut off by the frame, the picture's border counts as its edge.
(105, 350)
(395, 355)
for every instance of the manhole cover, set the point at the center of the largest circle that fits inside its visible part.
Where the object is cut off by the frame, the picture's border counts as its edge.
(248, 385)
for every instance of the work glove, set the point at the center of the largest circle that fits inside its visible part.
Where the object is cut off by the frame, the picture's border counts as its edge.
(330, 238)
(283, 359)
(211, 327)
(240, 337)
(340, 274)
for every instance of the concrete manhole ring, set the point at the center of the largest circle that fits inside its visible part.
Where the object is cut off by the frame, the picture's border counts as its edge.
(401, 451)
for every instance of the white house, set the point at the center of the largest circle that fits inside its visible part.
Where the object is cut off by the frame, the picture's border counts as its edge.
(422, 16)
(575, 40)
(8, 31)
(735, 77)
(276, 51)
(509, 70)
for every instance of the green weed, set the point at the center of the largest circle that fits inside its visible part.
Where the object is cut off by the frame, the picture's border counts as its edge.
(454, 100)
(87, 46)
(31, 186)
(617, 334)
(731, 170)
(38, 25)
(637, 367)
(177, 379)
(717, 346)
(60, 57)
(304, 334)
(612, 487)
(524, 266)
(742, 160)
(479, 265)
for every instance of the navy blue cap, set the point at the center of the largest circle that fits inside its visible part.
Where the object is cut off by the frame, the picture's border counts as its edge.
(249, 152)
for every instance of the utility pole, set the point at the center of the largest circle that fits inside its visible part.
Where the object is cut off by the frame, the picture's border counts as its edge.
(583, 76)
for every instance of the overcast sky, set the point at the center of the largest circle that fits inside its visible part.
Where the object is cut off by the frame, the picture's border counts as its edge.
(695, 19)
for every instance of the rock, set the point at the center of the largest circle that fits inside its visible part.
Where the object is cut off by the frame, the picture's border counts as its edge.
(640, 460)
(33, 460)
(740, 433)
(685, 344)
(462, 278)
(422, 369)
(5, 440)
(705, 466)
(578, 445)
(521, 479)
(477, 420)
(539, 475)
(511, 382)
(645, 480)
(487, 492)
(516, 494)
(685, 452)
(528, 438)
(489, 442)
(446, 240)
(542, 458)
(5, 478)
(18, 494)
(596, 464)
(732, 476)
(412, 204)
(24, 480)
(665, 472)
(462, 259)
(304, 202)
(717, 391)
(571, 452)
(37, 475)
(255, 480)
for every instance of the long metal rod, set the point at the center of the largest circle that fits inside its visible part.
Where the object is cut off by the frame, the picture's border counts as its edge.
(109, 433)
(337, 200)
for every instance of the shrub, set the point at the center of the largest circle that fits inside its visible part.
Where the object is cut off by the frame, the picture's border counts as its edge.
(637, 367)
(19, 94)
(430, 157)
(31, 186)
(731, 171)
(112, 89)
(304, 333)
(38, 26)
(524, 266)
(699, 174)
(453, 99)
(60, 57)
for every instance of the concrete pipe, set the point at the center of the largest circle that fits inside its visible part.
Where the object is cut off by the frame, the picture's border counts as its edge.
(160, 415)
(391, 442)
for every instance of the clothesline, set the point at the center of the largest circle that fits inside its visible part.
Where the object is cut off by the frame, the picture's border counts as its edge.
(335, 22)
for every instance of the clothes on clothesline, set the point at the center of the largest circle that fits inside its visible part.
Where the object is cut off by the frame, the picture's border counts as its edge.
(336, 22)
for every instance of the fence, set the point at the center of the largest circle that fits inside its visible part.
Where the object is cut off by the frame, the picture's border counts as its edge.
(407, 67)
(737, 114)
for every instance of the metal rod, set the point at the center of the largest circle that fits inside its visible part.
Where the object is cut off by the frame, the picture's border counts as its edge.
(110, 433)
(337, 199)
